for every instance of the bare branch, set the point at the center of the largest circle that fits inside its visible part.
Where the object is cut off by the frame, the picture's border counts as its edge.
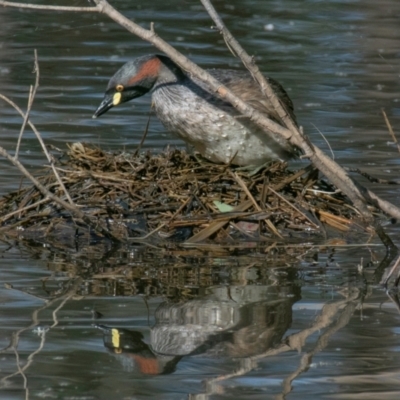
(44, 148)
(249, 63)
(48, 8)
(328, 167)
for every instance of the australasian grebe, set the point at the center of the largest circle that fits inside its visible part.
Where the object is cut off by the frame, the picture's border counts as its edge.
(188, 108)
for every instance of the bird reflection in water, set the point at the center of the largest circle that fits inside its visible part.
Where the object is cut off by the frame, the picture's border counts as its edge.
(235, 321)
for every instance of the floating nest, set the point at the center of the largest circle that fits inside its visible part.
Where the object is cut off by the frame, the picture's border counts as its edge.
(175, 197)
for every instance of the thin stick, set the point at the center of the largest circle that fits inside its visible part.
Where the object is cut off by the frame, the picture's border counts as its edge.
(20, 210)
(146, 130)
(325, 139)
(70, 207)
(32, 94)
(245, 189)
(294, 207)
(184, 204)
(39, 137)
(51, 8)
(389, 125)
(268, 222)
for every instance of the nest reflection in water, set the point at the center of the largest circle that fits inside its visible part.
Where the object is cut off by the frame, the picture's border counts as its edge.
(232, 308)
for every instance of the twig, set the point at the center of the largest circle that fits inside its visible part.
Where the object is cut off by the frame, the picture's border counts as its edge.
(294, 207)
(325, 139)
(70, 207)
(146, 130)
(246, 190)
(184, 204)
(268, 222)
(20, 210)
(389, 125)
(32, 94)
(39, 137)
(48, 8)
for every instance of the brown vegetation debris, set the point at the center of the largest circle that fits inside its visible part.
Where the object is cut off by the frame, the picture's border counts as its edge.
(176, 197)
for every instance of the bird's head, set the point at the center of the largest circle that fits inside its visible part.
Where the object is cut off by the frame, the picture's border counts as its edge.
(132, 80)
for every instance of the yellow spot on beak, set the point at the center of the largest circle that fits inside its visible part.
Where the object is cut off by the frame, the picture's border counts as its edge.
(115, 338)
(117, 98)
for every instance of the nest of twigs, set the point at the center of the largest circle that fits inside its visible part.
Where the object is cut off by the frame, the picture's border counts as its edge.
(177, 197)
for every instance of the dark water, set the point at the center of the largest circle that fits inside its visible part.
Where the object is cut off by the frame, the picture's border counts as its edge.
(220, 328)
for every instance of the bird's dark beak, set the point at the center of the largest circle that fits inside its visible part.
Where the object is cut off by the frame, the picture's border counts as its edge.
(108, 102)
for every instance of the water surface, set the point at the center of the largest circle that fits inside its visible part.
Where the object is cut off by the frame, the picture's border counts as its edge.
(203, 327)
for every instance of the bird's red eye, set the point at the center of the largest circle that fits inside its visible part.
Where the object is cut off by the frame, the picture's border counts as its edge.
(119, 88)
